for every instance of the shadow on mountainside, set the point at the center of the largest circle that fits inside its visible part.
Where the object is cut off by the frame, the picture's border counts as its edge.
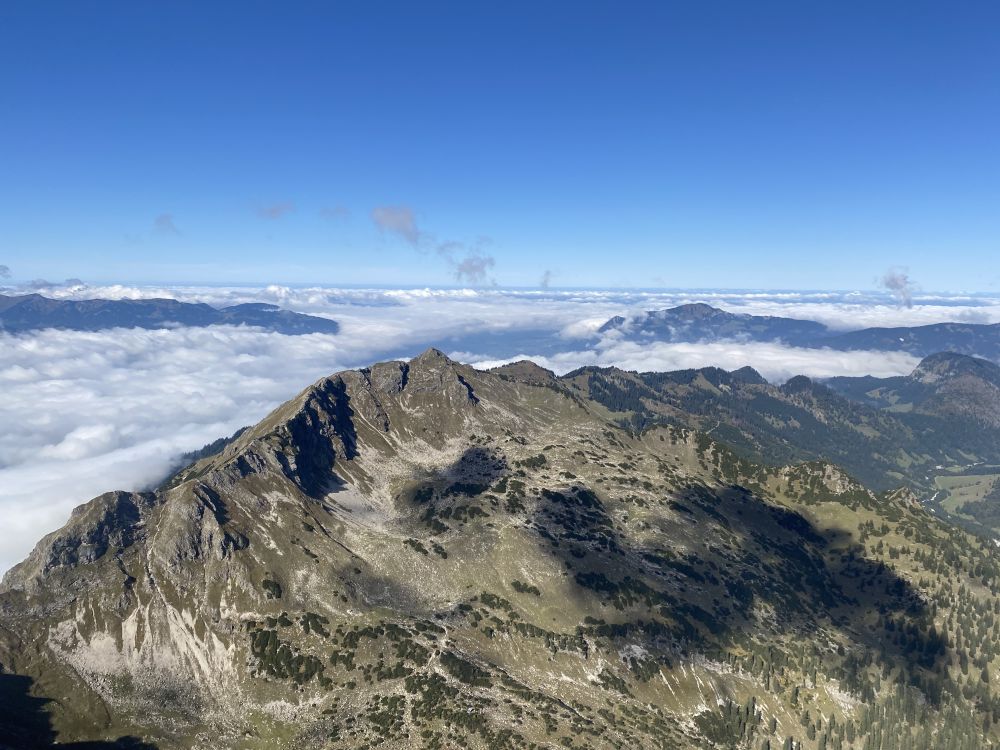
(745, 556)
(25, 724)
(467, 477)
(318, 436)
(712, 570)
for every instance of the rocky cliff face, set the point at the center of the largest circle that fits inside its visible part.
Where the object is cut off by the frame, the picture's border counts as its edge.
(419, 554)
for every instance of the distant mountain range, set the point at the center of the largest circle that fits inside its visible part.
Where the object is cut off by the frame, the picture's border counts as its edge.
(943, 385)
(700, 322)
(884, 431)
(29, 312)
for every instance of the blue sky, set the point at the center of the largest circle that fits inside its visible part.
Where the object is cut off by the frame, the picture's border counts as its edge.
(773, 145)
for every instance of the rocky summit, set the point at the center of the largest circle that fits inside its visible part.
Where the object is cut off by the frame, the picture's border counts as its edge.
(424, 555)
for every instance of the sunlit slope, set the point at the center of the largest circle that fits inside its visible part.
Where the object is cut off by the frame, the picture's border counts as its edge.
(424, 555)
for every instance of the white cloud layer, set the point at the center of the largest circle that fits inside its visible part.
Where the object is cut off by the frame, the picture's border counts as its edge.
(775, 362)
(89, 412)
(85, 413)
(839, 310)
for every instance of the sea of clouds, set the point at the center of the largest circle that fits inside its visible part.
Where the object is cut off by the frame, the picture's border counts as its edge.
(88, 412)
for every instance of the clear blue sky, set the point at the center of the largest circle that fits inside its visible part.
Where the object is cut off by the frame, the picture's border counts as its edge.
(734, 144)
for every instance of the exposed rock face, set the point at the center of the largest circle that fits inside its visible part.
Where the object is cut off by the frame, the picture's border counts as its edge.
(425, 555)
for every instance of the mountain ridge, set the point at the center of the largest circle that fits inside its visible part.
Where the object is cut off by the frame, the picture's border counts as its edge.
(30, 312)
(700, 322)
(421, 554)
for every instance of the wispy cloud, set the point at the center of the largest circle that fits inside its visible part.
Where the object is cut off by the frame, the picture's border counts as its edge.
(164, 225)
(334, 213)
(474, 268)
(469, 264)
(897, 280)
(398, 220)
(275, 210)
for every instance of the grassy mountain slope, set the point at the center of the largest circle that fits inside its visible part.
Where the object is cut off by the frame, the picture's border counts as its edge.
(424, 555)
(844, 421)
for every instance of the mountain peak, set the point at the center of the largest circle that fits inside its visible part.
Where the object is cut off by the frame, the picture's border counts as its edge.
(944, 366)
(432, 355)
(694, 310)
(749, 375)
(698, 321)
(688, 313)
(526, 371)
(798, 384)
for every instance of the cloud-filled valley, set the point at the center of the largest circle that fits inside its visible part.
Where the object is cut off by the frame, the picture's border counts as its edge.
(88, 412)
(775, 361)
